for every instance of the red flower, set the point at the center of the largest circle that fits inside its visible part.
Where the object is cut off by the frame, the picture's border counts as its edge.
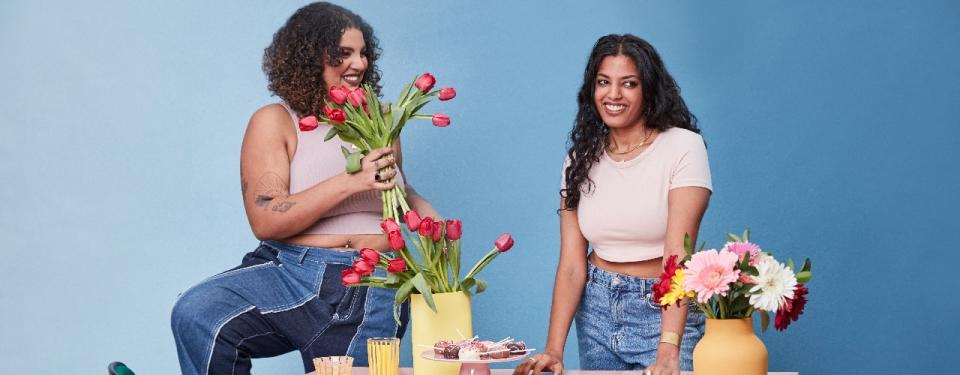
(437, 231)
(338, 94)
(441, 120)
(504, 242)
(447, 93)
(357, 97)
(413, 220)
(792, 309)
(663, 286)
(454, 229)
(426, 227)
(425, 82)
(308, 123)
(362, 267)
(389, 225)
(335, 115)
(396, 265)
(349, 277)
(370, 256)
(396, 240)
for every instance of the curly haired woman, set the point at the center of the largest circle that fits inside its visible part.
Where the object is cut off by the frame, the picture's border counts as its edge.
(635, 181)
(310, 216)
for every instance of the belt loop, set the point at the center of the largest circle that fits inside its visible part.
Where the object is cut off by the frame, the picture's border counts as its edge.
(303, 254)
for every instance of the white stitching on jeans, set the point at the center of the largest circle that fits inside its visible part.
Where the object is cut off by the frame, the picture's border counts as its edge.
(217, 333)
(233, 370)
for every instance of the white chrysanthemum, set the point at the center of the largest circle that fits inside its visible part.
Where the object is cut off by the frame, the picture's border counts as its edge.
(775, 283)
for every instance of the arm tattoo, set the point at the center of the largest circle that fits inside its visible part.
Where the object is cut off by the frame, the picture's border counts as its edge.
(271, 189)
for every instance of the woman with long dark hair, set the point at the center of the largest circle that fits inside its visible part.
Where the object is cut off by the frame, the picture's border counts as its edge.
(310, 216)
(636, 180)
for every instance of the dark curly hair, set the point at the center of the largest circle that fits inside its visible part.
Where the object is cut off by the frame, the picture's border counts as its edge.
(293, 62)
(663, 108)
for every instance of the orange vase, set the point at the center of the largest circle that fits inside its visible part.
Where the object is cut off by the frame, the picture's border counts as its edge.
(730, 347)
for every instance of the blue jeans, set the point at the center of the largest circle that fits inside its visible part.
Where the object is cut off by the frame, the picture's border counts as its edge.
(618, 324)
(281, 298)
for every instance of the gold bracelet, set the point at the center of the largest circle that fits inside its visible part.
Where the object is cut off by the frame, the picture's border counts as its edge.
(670, 338)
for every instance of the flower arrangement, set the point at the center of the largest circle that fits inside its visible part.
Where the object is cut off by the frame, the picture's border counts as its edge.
(736, 281)
(426, 252)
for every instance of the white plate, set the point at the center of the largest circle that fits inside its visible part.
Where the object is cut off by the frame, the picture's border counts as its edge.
(429, 354)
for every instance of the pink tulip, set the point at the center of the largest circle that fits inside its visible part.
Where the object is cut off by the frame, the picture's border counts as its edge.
(425, 82)
(363, 268)
(370, 256)
(413, 220)
(396, 240)
(389, 225)
(335, 115)
(447, 93)
(357, 97)
(426, 227)
(437, 231)
(504, 242)
(349, 277)
(338, 94)
(396, 265)
(441, 120)
(454, 229)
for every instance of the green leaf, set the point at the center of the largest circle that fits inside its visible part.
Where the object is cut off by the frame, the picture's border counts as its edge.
(403, 292)
(481, 286)
(764, 320)
(733, 238)
(467, 284)
(687, 243)
(746, 235)
(353, 162)
(703, 245)
(331, 133)
(806, 265)
(392, 278)
(420, 283)
(790, 263)
(345, 151)
(804, 277)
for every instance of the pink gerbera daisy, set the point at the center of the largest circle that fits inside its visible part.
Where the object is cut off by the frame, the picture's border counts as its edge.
(741, 248)
(711, 272)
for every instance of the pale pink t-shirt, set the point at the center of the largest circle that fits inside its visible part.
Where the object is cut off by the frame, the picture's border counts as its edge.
(624, 217)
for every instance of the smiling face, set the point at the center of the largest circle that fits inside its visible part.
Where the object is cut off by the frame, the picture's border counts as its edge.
(353, 64)
(617, 93)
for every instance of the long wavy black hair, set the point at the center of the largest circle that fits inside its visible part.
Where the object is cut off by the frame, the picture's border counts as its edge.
(663, 108)
(294, 60)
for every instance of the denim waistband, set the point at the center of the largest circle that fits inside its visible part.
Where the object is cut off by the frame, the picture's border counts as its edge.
(312, 254)
(614, 280)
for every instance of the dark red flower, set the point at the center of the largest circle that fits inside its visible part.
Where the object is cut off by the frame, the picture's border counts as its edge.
(396, 240)
(791, 310)
(335, 115)
(426, 227)
(437, 231)
(413, 220)
(389, 225)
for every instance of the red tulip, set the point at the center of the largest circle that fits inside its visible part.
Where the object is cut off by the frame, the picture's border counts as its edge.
(426, 227)
(349, 277)
(357, 97)
(396, 265)
(362, 267)
(454, 229)
(413, 220)
(308, 123)
(389, 225)
(447, 93)
(370, 256)
(425, 82)
(441, 120)
(437, 231)
(396, 240)
(338, 94)
(335, 115)
(504, 242)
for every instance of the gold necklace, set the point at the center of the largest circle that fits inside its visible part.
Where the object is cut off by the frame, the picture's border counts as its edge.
(634, 148)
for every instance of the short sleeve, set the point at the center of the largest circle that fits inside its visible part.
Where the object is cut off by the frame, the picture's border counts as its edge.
(563, 173)
(692, 168)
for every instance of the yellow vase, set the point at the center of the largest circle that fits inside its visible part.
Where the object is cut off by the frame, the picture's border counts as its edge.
(730, 347)
(453, 314)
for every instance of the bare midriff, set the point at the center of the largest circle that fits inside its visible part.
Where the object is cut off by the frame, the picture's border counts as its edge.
(649, 268)
(342, 241)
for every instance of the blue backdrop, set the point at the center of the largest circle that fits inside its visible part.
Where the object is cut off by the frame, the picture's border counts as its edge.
(831, 132)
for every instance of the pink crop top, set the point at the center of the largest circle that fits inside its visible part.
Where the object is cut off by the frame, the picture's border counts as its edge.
(624, 217)
(317, 160)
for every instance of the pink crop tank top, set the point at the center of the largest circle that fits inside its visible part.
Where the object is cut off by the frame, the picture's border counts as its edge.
(316, 160)
(624, 217)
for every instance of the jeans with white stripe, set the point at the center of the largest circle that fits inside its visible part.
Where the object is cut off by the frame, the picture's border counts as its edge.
(281, 298)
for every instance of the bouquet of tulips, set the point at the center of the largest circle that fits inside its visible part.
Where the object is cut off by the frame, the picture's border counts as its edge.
(736, 281)
(433, 266)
